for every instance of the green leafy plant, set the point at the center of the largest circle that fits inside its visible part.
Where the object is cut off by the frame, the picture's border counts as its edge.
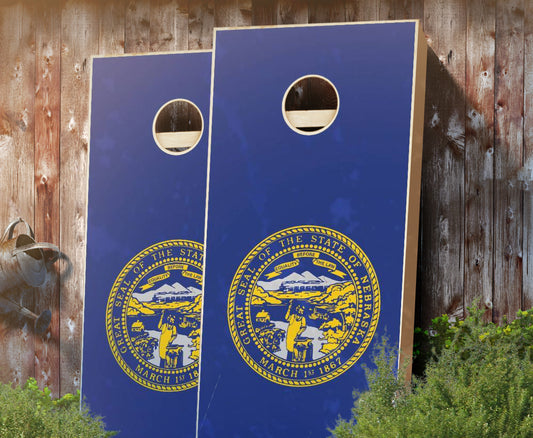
(29, 412)
(477, 383)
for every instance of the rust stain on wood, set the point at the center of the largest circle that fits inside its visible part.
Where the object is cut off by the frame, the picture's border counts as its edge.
(77, 18)
(47, 129)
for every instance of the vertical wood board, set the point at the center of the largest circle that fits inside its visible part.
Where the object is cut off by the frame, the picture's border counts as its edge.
(442, 273)
(137, 27)
(527, 172)
(47, 195)
(78, 18)
(17, 191)
(479, 153)
(508, 158)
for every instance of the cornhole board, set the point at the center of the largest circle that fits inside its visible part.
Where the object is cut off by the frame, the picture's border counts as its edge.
(311, 240)
(145, 234)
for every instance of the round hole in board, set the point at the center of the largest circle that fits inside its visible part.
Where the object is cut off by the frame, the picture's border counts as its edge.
(178, 127)
(310, 105)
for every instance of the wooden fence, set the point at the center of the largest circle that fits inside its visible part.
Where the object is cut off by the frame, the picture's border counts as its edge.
(476, 215)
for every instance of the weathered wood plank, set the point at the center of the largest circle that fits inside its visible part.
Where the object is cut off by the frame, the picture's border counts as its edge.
(362, 10)
(80, 28)
(418, 10)
(527, 173)
(169, 25)
(233, 13)
(479, 152)
(403, 9)
(17, 70)
(508, 156)
(169, 31)
(137, 27)
(201, 23)
(409, 9)
(47, 126)
(327, 12)
(263, 12)
(111, 27)
(440, 287)
(387, 10)
(292, 12)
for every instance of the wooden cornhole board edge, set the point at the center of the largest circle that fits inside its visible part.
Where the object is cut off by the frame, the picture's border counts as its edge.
(411, 233)
(89, 130)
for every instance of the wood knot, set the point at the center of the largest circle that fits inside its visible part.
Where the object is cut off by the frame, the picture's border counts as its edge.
(508, 252)
(167, 37)
(509, 213)
(72, 125)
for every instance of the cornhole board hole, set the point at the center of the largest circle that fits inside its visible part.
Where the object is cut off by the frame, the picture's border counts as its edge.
(312, 220)
(147, 180)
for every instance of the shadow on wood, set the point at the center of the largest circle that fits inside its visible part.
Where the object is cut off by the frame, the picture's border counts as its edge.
(441, 248)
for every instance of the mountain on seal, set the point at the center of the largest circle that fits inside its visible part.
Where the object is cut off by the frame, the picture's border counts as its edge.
(305, 280)
(168, 292)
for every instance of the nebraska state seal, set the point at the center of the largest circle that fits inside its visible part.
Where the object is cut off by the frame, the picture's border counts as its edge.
(303, 306)
(153, 316)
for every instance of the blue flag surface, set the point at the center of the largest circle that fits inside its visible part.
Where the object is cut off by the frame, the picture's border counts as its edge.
(145, 244)
(306, 224)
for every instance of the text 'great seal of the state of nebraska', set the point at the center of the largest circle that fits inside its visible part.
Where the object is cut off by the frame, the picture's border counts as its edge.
(303, 306)
(153, 316)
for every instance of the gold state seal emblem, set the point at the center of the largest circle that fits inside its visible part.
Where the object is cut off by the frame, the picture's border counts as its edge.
(153, 316)
(303, 306)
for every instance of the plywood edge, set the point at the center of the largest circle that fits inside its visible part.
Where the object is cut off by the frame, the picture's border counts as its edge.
(310, 118)
(204, 265)
(414, 180)
(182, 139)
(91, 82)
(161, 53)
(285, 26)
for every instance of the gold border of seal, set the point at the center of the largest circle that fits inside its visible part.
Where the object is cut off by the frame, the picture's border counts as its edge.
(108, 320)
(366, 340)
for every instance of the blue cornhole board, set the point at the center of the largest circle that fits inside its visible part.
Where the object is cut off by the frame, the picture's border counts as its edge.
(144, 247)
(311, 239)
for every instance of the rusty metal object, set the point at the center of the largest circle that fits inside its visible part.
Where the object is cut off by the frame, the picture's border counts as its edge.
(41, 322)
(23, 263)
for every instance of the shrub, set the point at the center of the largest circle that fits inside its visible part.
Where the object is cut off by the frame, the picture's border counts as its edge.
(479, 383)
(29, 412)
